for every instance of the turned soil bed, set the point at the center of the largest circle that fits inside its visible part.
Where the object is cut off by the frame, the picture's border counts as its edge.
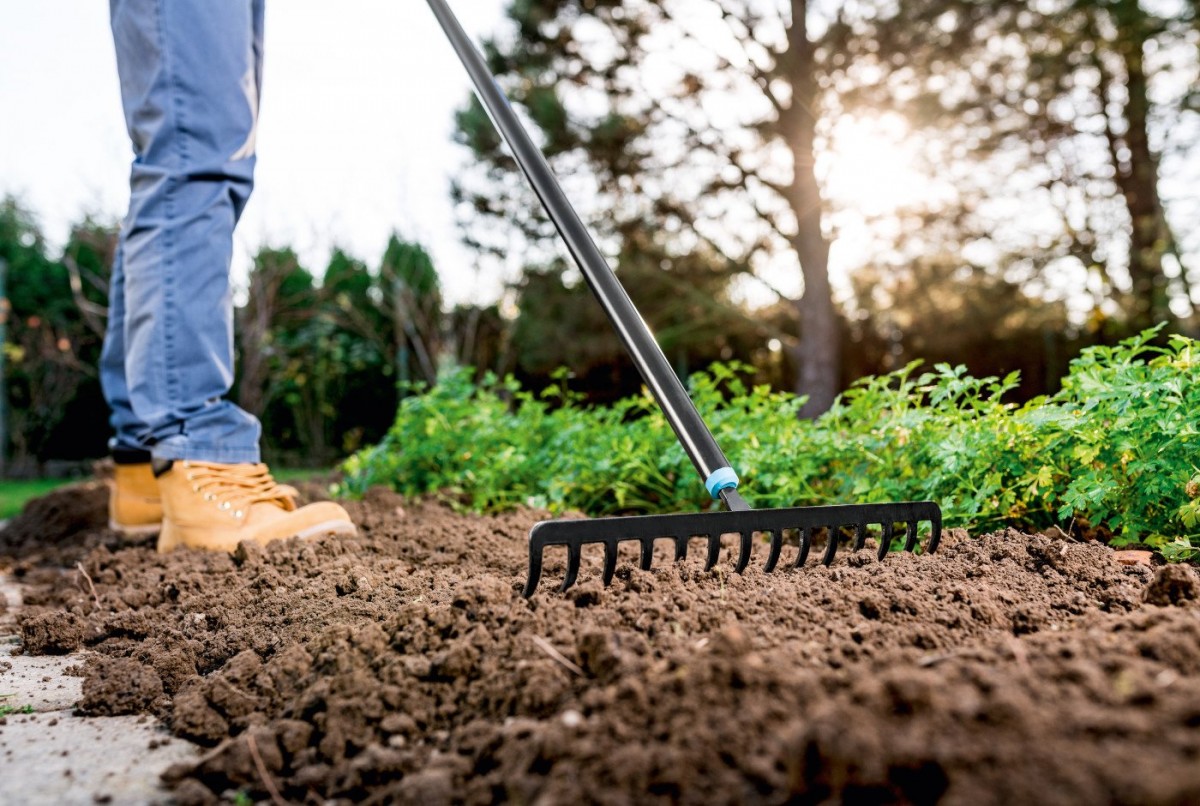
(403, 666)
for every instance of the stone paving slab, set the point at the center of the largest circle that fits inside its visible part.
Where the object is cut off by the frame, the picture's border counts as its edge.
(52, 756)
(56, 758)
(39, 682)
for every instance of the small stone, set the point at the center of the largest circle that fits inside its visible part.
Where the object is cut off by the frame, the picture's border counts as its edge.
(731, 640)
(1133, 557)
(572, 718)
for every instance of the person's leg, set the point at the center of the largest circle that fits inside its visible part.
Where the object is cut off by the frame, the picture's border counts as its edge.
(134, 502)
(190, 75)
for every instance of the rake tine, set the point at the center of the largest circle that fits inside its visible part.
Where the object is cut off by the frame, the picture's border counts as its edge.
(935, 532)
(776, 548)
(885, 539)
(647, 553)
(574, 560)
(805, 545)
(861, 537)
(610, 560)
(746, 548)
(857, 522)
(714, 551)
(535, 569)
(831, 547)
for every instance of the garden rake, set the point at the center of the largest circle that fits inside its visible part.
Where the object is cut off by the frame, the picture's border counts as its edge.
(719, 478)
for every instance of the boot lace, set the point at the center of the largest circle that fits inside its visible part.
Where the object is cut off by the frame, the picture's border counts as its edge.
(235, 488)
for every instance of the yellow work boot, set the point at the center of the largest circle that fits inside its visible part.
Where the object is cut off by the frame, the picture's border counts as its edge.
(215, 506)
(134, 505)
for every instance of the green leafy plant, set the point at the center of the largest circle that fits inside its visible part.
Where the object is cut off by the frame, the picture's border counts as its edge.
(1114, 449)
(9, 710)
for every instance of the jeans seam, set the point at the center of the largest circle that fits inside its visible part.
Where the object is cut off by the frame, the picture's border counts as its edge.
(169, 323)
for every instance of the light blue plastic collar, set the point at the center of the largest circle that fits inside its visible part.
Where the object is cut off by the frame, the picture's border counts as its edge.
(721, 479)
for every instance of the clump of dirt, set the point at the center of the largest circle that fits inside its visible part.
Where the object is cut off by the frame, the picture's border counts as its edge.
(53, 632)
(403, 665)
(59, 528)
(114, 686)
(1173, 585)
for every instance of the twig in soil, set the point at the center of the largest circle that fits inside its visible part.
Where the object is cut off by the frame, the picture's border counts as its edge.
(1066, 535)
(276, 798)
(91, 587)
(934, 660)
(555, 655)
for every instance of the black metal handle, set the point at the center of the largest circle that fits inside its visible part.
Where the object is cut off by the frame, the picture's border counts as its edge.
(639, 342)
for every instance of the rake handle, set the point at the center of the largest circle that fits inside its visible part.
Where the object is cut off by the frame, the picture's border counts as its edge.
(635, 335)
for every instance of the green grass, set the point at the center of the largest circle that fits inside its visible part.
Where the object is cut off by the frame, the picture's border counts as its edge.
(7, 709)
(14, 494)
(289, 475)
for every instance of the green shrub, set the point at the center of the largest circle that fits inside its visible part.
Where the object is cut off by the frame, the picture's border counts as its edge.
(1116, 447)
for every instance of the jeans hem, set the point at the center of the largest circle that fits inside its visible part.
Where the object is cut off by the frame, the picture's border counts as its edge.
(207, 453)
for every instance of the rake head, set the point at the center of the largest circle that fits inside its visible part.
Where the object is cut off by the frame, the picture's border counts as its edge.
(646, 529)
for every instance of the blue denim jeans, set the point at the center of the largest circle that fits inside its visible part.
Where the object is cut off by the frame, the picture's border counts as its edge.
(191, 73)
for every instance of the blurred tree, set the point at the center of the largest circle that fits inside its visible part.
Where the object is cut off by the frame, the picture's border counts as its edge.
(479, 336)
(319, 363)
(937, 310)
(701, 117)
(88, 255)
(410, 293)
(352, 301)
(51, 349)
(1055, 123)
(685, 298)
(281, 297)
(1071, 109)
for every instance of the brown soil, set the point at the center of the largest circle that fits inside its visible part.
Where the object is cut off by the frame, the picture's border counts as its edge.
(403, 666)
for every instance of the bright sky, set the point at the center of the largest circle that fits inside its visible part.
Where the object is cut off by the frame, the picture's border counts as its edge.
(355, 133)
(354, 137)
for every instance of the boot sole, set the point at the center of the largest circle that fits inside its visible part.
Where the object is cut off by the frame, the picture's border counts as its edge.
(135, 531)
(338, 528)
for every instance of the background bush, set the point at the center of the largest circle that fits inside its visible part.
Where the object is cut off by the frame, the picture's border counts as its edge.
(1113, 452)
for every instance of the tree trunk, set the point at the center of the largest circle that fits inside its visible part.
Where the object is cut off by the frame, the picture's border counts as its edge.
(1138, 179)
(818, 354)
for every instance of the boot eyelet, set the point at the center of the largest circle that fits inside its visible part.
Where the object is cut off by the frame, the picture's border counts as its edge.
(225, 505)
(238, 514)
(190, 477)
(195, 488)
(209, 497)
(187, 464)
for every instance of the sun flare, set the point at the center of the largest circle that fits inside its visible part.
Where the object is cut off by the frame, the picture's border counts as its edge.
(869, 166)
